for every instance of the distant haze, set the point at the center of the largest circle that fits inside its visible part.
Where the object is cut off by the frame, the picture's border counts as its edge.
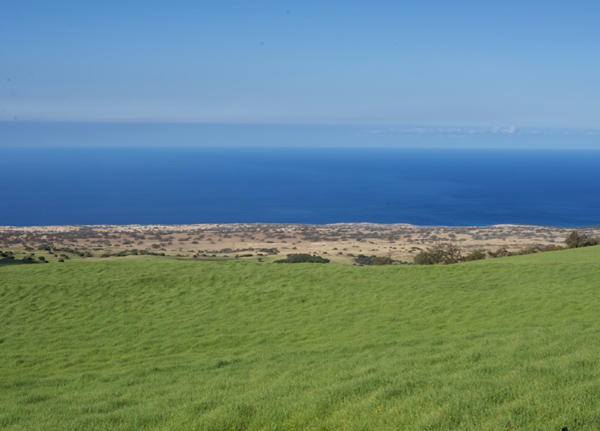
(500, 66)
(76, 134)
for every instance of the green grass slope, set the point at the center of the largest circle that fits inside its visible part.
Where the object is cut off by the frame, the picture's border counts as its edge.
(502, 344)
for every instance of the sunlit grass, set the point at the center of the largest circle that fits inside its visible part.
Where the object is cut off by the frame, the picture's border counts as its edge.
(503, 344)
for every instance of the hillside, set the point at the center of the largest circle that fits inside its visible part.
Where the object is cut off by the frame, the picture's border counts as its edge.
(161, 344)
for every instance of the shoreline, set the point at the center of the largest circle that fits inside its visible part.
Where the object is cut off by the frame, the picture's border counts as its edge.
(192, 226)
(266, 224)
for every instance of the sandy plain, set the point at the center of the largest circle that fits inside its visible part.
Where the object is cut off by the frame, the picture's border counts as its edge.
(338, 242)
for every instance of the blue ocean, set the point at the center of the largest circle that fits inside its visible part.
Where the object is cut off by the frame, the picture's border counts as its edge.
(454, 187)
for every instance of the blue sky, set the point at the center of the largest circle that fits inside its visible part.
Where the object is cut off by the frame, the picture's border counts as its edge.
(498, 66)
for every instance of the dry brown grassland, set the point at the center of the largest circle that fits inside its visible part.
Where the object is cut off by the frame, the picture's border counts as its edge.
(339, 242)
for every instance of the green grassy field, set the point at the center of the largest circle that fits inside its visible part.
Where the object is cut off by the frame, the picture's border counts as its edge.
(160, 344)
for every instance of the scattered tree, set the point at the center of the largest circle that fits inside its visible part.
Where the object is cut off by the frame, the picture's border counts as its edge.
(439, 254)
(576, 240)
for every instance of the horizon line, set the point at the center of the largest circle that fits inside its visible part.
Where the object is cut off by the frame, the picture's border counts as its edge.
(509, 128)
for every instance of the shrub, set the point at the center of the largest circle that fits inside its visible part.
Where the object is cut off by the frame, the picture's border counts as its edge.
(475, 255)
(382, 260)
(302, 258)
(361, 259)
(501, 252)
(269, 250)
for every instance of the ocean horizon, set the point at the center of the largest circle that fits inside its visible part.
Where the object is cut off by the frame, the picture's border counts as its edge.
(450, 187)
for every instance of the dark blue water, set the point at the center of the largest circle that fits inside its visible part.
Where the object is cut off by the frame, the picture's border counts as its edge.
(53, 186)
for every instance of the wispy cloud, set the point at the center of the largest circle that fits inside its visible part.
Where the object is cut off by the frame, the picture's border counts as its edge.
(481, 131)
(447, 131)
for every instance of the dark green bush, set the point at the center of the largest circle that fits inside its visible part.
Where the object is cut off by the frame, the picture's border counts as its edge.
(475, 255)
(302, 258)
(361, 259)
(439, 254)
(576, 240)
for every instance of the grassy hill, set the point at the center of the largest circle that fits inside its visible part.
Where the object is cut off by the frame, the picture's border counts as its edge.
(501, 344)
